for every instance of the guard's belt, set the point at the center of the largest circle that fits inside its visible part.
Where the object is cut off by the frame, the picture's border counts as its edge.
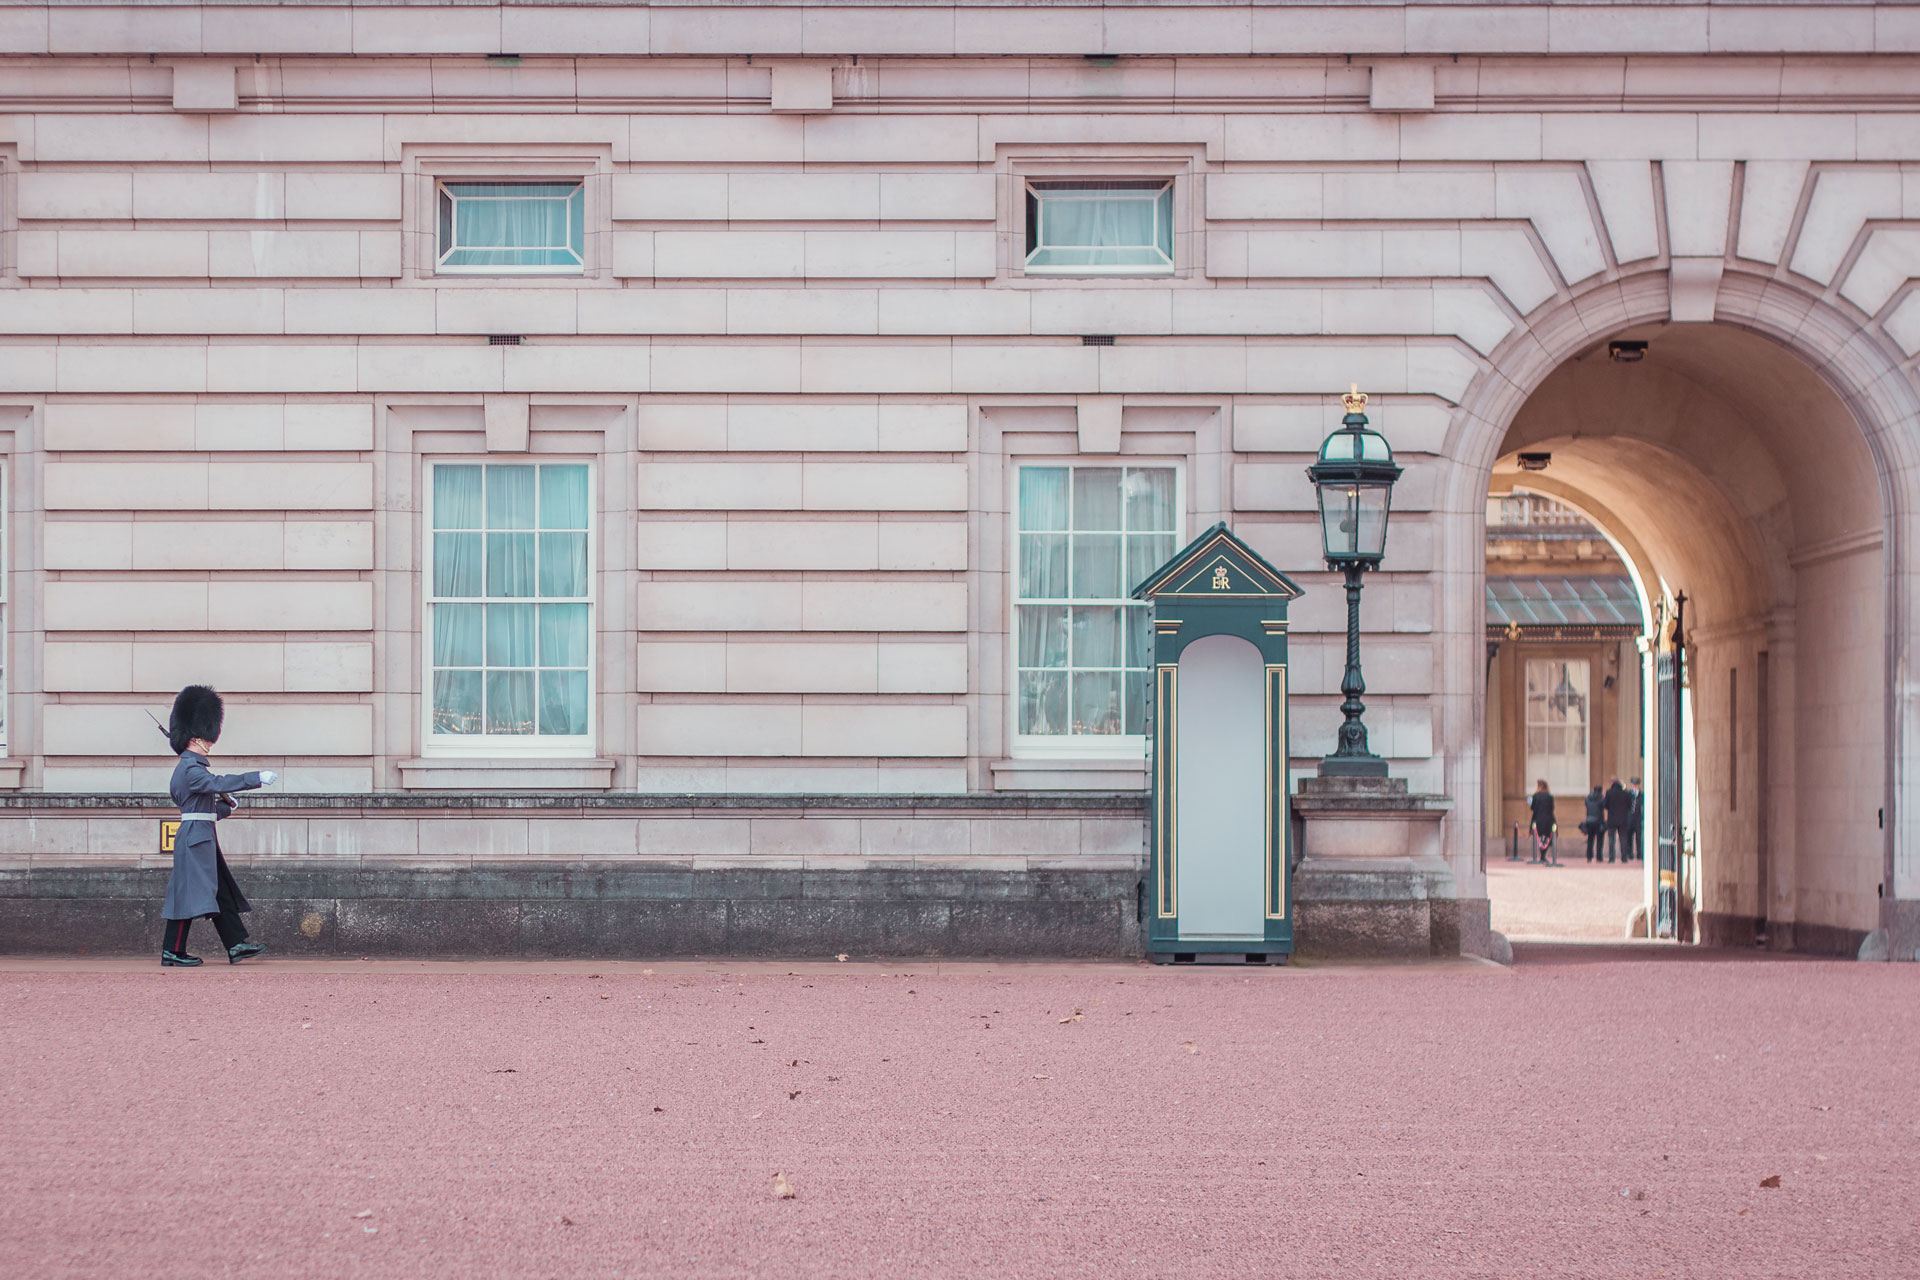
(198, 817)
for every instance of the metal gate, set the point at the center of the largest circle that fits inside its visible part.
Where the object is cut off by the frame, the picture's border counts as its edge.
(1669, 680)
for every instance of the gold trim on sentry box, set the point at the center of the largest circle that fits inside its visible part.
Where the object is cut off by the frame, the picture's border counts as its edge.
(1276, 854)
(1167, 729)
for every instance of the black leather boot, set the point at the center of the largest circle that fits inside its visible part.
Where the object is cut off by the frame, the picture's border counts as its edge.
(169, 959)
(244, 950)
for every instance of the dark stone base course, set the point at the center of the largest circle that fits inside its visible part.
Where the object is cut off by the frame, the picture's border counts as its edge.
(1717, 929)
(625, 912)
(1392, 929)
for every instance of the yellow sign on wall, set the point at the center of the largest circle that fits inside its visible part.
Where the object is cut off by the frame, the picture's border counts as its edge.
(169, 831)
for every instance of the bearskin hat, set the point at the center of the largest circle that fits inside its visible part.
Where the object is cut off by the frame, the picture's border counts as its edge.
(197, 713)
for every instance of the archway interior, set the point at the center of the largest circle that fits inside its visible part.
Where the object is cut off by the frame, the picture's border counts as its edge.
(1724, 467)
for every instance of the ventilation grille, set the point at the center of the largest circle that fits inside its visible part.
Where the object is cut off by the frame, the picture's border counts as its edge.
(1096, 339)
(503, 339)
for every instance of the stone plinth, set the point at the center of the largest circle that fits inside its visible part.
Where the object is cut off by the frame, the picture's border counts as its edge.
(1371, 880)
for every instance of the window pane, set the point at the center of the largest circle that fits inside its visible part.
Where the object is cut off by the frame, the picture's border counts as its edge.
(456, 635)
(1043, 702)
(1096, 702)
(1096, 637)
(1043, 566)
(510, 702)
(456, 702)
(1096, 566)
(1146, 552)
(1149, 496)
(1043, 498)
(1043, 636)
(456, 564)
(1139, 643)
(563, 635)
(563, 497)
(456, 497)
(563, 564)
(510, 564)
(563, 702)
(510, 497)
(1136, 696)
(1096, 498)
(510, 635)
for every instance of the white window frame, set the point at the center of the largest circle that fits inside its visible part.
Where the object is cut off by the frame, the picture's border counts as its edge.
(6, 610)
(1085, 746)
(1033, 194)
(520, 746)
(442, 190)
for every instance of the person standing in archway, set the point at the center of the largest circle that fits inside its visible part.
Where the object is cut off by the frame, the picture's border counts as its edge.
(1636, 822)
(1619, 808)
(201, 884)
(1540, 804)
(1594, 825)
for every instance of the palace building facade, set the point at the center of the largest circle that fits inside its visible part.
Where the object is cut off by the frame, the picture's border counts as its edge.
(671, 477)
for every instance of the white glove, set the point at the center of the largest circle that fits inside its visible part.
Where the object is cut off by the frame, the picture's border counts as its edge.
(268, 777)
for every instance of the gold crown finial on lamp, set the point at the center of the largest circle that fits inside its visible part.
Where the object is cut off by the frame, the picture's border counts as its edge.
(1355, 400)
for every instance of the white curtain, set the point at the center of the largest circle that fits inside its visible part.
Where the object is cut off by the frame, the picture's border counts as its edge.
(1121, 228)
(512, 224)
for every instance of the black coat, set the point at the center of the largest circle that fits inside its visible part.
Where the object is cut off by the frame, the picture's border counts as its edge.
(1595, 812)
(1541, 803)
(195, 882)
(1619, 806)
(1637, 814)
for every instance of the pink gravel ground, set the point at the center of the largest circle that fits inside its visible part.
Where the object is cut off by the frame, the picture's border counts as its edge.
(1587, 1113)
(1590, 901)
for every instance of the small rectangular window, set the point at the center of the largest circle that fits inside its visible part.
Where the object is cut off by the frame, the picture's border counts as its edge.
(510, 605)
(495, 228)
(1086, 537)
(1120, 227)
(1557, 720)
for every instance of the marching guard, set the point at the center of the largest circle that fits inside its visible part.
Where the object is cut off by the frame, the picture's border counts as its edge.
(200, 884)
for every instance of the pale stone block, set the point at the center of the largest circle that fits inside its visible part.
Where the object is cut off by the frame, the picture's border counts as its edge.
(1344, 136)
(411, 368)
(553, 368)
(923, 428)
(1474, 315)
(879, 254)
(125, 486)
(87, 545)
(692, 837)
(1325, 369)
(698, 666)
(100, 138)
(569, 29)
(162, 666)
(1557, 205)
(1421, 253)
(1509, 260)
(804, 837)
(209, 197)
(358, 311)
(1603, 29)
(900, 606)
(807, 667)
(1843, 201)
(1903, 326)
(799, 311)
(328, 667)
(884, 486)
(146, 369)
(572, 838)
(319, 427)
(718, 729)
(1463, 194)
(69, 426)
(1103, 311)
(1401, 86)
(1295, 254)
(976, 255)
(883, 730)
(124, 606)
(954, 311)
(1797, 29)
(24, 31)
(788, 544)
(803, 197)
(1452, 136)
(1097, 421)
(1290, 197)
(1599, 136)
(1699, 198)
(89, 666)
(1477, 29)
(759, 426)
(55, 196)
(1786, 137)
(133, 253)
(922, 668)
(290, 254)
(1624, 189)
(1769, 198)
(915, 837)
(519, 311)
(305, 486)
(842, 369)
(195, 544)
(1890, 259)
(251, 427)
(681, 544)
(1246, 311)
(742, 368)
(290, 606)
(867, 139)
(1345, 311)
(633, 254)
(1281, 428)
(301, 779)
(273, 369)
(673, 426)
(938, 197)
(719, 486)
(670, 197)
(1031, 32)
(653, 310)
(1886, 135)
(717, 606)
(43, 312)
(1443, 370)
(721, 139)
(343, 197)
(208, 311)
(36, 253)
(1216, 368)
(320, 139)
(116, 838)
(987, 369)
(461, 839)
(327, 544)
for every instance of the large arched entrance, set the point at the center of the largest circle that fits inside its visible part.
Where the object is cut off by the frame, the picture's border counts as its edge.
(1759, 465)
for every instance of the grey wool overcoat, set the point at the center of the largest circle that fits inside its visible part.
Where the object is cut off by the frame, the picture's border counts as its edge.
(195, 882)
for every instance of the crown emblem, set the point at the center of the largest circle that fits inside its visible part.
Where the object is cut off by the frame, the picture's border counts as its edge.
(1355, 400)
(1220, 582)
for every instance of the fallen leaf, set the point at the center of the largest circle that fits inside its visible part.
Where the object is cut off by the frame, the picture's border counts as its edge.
(793, 1095)
(1077, 1017)
(1043, 1077)
(837, 1077)
(1188, 1045)
(503, 1071)
(756, 1042)
(1818, 1107)
(842, 957)
(646, 971)
(1822, 1159)
(565, 1221)
(364, 1213)
(371, 1230)
(756, 1115)
(782, 1188)
(1772, 1181)
(659, 1108)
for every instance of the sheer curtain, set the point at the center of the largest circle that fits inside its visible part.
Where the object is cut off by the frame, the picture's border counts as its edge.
(1094, 226)
(512, 224)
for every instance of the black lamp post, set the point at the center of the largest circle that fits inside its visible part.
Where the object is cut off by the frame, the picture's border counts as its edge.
(1354, 477)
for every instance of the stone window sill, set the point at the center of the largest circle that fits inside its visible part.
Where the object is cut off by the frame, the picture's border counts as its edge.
(443, 773)
(1041, 773)
(11, 772)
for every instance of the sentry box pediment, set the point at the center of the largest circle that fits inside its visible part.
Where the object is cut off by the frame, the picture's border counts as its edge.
(1218, 875)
